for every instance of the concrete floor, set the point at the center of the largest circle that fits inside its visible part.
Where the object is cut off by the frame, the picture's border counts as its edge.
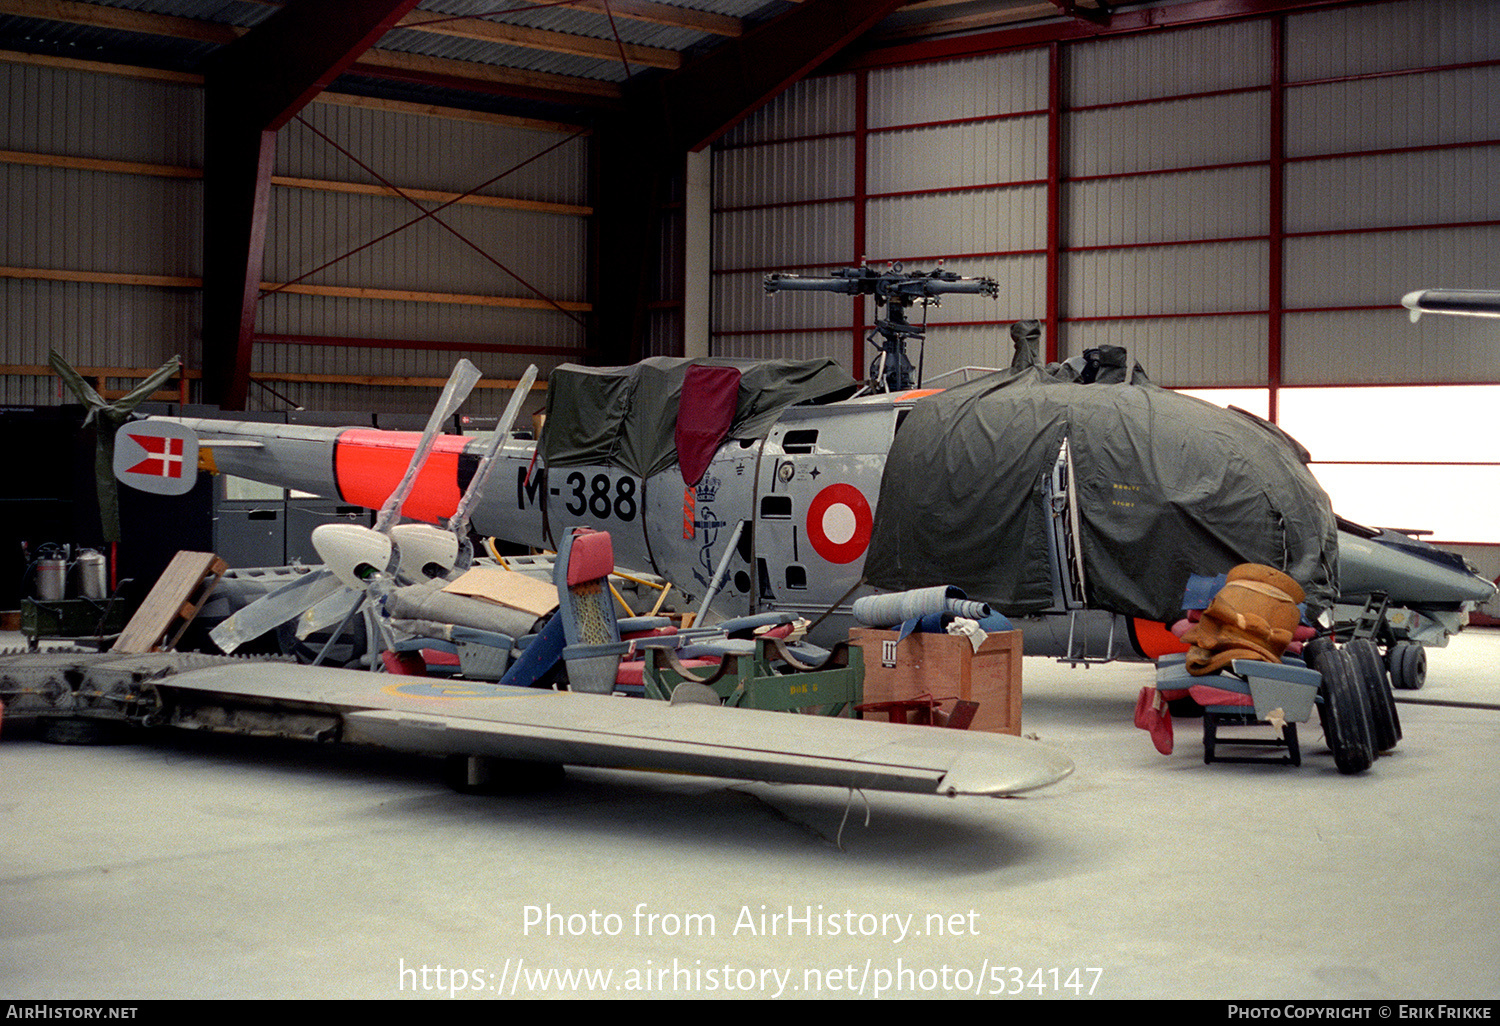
(204, 867)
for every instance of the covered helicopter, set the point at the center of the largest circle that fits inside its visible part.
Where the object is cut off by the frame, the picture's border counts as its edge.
(493, 735)
(1078, 499)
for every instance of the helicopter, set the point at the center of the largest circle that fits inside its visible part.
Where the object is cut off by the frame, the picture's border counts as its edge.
(1081, 499)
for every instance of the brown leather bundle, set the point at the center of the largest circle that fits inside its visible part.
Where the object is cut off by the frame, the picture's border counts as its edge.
(1252, 617)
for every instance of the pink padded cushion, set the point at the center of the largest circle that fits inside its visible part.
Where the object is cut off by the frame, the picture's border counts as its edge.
(591, 557)
(633, 671)
(1206, 695)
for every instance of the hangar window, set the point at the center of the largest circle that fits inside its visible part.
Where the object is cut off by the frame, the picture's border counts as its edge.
(1412, 457)
(1415, 457)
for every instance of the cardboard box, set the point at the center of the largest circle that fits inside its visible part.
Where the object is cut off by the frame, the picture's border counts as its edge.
(947, 667)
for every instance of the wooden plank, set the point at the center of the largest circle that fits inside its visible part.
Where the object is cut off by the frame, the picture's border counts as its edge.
(343, 99)
(339, 291)
(541, 39)
(42, 369)
(452, 113)
(130, 167)
(383, 381)
(178, 595)
(411, 296)
(471, 199)
(42, 60)
(122, 167)
(100, 277)
(469, 71)
(97, 16)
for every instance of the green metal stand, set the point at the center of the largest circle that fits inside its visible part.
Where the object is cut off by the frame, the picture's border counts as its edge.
(752, 680)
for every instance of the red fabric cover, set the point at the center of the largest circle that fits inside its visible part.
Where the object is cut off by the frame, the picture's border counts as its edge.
(1152, 716)
(591, 557)
(1206, 695)
(704, 414)
(408, 663)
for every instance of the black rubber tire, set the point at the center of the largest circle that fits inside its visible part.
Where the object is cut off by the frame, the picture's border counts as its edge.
(1345, 712)
(1313, 646)
(1384, 721)
(1407, 661)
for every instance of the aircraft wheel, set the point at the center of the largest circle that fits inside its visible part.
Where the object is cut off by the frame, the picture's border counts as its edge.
(1345, 712)
(1383, 717)
(1408, 663)
(1314, 647)
(479, 774)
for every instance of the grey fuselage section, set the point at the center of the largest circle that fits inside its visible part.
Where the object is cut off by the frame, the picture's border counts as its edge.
(806, 495)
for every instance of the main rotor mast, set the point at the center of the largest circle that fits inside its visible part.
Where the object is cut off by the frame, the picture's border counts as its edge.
(894, 289)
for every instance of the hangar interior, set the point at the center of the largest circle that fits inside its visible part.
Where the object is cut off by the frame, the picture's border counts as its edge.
(1242, 194)
(322, 205)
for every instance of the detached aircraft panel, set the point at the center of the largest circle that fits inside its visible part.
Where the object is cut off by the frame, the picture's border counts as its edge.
(434, 716)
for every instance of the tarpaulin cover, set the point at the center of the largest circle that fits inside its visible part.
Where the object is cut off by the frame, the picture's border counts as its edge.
(1168, 486)
(627, 416)
(705, 413)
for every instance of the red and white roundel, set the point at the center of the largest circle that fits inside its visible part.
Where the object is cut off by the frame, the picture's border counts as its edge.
(839, 522)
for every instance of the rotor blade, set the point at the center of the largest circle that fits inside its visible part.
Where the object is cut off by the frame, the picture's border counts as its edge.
(331, 610)
(82, 389)
(460, 384)
(475, 491)
(273, 609)
(146, 388)
(1462, 302)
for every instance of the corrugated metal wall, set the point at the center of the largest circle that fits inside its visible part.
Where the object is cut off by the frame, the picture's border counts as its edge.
(69, 219)
(325, 238)
(1169, 230)
(148, 221)
(1389, 188)
(315, 237)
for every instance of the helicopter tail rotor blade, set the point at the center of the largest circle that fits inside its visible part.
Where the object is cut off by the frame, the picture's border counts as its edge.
(475, 491)
(465, 376)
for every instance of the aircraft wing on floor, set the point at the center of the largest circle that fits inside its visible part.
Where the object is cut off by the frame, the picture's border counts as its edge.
(449, 717)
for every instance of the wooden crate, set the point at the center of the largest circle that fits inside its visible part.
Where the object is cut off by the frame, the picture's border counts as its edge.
(945, 666)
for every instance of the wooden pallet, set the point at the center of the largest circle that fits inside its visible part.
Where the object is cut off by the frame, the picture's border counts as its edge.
(176, 598)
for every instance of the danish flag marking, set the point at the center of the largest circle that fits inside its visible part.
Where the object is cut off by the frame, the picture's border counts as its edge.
(165, 459)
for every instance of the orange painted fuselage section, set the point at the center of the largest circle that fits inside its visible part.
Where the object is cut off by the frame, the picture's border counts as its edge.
(369, 465)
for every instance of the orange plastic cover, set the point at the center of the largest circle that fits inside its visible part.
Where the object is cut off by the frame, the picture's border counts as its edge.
(1155, 639)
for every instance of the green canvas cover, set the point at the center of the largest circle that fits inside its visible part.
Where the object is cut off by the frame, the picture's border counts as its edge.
(627, 416)
(1168, 486)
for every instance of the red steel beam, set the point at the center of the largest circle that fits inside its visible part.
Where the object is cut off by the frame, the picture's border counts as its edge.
(251, 88)
(709, 96)
(682, 111)
(861, 213)
(1276, 273)
(1061, 31)
(1052, 314)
